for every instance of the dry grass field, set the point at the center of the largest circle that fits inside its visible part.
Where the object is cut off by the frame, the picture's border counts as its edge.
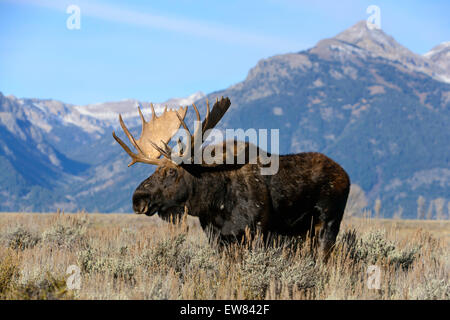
(124, 256)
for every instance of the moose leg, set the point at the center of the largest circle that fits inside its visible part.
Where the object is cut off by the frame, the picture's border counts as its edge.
(222, 232)
(326, 237)
(327, 229)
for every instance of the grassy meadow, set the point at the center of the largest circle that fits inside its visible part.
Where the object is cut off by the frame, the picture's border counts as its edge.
(126, 256)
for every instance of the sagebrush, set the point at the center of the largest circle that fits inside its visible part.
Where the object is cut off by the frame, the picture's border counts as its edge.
(134, 257)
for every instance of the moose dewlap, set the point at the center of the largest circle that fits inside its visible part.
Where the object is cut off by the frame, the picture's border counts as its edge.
(307, 194)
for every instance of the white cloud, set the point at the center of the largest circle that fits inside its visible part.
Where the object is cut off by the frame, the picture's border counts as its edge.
(191, 27)
(278, 111)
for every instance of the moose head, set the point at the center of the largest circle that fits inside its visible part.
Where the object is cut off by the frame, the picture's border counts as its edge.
(168, 189)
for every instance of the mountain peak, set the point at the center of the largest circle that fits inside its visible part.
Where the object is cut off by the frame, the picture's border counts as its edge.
(361, 42)
(373, 40)
(440, 56)
(439, 49)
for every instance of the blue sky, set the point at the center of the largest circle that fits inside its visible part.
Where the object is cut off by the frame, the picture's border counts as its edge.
(155, 50)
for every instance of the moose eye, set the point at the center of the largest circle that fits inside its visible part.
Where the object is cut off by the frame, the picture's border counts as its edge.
(171, 172)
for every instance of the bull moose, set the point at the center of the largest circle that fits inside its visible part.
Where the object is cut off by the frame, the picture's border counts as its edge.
(307, 195)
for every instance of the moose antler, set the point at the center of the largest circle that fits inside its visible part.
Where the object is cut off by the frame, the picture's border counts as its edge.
(158, 129)
(211, 120)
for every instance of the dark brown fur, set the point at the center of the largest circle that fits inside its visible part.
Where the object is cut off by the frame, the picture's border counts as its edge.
(308, 194)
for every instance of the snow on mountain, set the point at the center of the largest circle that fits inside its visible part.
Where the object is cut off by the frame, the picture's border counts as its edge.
(440, 55)
(93, 118)
(442, 48)
(108, 112)
(187, 100)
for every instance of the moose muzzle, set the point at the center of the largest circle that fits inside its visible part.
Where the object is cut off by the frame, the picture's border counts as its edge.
(141, 204)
